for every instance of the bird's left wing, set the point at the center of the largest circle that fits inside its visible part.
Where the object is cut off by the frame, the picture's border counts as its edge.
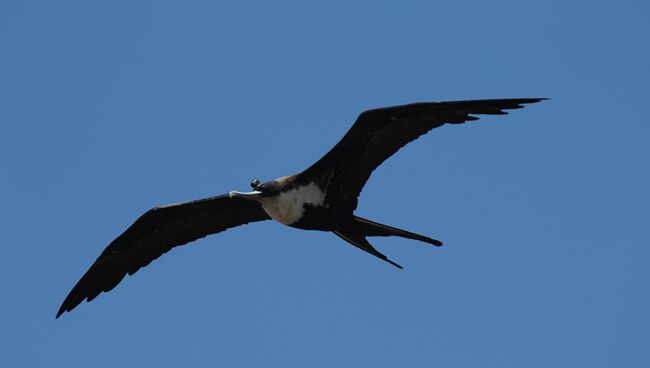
(377, 134)
(156, 232)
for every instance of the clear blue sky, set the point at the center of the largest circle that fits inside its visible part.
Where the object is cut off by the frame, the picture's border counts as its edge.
(108, 108)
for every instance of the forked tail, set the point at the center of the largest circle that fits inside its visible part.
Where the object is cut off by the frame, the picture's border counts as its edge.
(371, 228)
(356, 235)
(360, 241)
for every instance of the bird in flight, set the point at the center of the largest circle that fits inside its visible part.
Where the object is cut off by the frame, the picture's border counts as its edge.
(323, 197)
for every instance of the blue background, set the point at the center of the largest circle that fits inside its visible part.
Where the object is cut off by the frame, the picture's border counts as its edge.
(108, 108)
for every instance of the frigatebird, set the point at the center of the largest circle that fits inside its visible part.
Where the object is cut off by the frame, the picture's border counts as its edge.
(323, 197)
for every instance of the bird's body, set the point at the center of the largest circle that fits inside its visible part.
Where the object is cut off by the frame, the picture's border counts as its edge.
(297, 206)
(322, 197)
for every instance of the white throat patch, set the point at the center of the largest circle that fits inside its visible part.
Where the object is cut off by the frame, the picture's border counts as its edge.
(288, 207)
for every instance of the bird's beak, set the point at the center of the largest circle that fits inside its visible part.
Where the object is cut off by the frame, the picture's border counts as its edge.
(253, 196)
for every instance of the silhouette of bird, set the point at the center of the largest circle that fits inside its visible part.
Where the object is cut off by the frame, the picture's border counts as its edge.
(323, 197)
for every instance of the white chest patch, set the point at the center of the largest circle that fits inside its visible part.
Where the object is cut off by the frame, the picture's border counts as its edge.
(288, 207)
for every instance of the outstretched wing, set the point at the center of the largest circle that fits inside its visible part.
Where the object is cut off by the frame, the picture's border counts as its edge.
(378, 134)
(155, 233)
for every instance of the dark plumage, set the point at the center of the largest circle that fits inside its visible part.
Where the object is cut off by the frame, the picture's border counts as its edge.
(154, 234)
(378, 134)
(323, 197)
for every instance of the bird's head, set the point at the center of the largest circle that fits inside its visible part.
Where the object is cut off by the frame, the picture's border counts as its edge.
(267, 188)
(260, 190)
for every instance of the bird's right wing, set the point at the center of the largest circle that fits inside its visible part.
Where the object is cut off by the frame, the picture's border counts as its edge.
(155, 233)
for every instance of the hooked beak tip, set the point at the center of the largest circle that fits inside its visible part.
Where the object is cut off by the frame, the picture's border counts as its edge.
(254, 195)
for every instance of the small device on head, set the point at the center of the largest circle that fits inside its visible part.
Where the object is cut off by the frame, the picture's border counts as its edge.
(255, 183)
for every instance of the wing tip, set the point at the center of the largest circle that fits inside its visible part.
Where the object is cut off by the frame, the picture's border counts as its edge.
(520, 102)
(531, 100)
(62, 310)
(67, 306)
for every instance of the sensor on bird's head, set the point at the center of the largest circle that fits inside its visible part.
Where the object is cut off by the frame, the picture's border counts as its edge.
(255, 183)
